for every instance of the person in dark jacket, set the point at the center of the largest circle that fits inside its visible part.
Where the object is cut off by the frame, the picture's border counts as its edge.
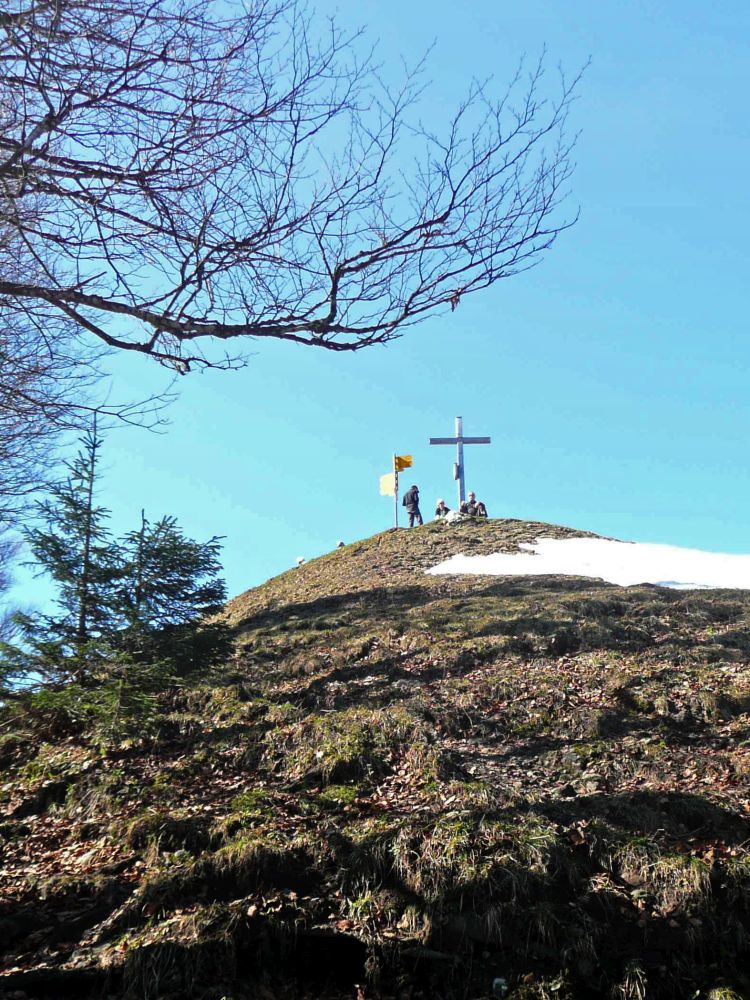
(411, 502)
(473, 507)
(441, 510)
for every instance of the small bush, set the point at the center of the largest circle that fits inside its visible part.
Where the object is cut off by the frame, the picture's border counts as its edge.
(120, 705)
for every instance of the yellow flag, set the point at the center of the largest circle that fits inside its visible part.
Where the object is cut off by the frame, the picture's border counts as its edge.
(404, 462)
(388, 485)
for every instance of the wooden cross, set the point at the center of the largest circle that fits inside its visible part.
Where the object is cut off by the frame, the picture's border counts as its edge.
(459, 440)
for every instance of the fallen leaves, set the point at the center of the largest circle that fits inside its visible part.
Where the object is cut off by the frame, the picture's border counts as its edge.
(638, 723)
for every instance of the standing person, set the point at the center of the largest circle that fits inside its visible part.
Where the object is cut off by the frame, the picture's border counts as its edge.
(411, 502)
(441, 510)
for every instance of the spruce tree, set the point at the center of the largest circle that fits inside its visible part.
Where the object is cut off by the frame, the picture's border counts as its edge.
(169, 585)
(140, 602)
(72, 544)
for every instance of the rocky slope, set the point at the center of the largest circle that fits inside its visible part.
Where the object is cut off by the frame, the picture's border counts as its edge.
(402, 786)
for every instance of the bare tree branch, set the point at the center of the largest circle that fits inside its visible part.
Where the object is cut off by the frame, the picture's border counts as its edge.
(8, 551)
(181, 178)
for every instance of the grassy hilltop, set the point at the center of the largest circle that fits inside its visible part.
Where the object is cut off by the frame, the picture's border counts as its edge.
(402, 786)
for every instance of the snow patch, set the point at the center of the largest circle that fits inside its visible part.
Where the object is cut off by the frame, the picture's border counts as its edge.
(623, 563)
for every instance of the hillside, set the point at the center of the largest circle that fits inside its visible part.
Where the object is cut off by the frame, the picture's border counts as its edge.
(403, 785)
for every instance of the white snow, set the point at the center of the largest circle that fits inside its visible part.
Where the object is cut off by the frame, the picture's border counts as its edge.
(624, 563)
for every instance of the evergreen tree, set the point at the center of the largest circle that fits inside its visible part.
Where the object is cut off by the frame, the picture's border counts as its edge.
(169, 585)
(139, 602)
(72, 544)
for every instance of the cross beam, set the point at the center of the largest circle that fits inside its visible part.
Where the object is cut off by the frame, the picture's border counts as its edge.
(459, 440)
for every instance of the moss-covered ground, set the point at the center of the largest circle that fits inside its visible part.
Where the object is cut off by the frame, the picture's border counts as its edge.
(403, 786)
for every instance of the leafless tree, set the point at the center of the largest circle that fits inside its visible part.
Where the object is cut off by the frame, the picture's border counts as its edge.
(180, 177)
(31, 407)
(8, 551)
(49, 384)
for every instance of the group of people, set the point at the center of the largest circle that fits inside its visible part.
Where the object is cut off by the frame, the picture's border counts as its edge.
(471, 507)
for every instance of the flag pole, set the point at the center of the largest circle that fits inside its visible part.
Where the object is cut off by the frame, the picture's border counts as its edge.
(395, 493)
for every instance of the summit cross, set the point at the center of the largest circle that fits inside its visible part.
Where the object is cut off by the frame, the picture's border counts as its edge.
(459, 440)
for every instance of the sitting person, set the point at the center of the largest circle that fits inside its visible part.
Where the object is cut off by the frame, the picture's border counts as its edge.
(441, 510)
(473, 507)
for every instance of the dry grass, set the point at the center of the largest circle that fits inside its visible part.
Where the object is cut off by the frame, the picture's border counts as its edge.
(462, 779)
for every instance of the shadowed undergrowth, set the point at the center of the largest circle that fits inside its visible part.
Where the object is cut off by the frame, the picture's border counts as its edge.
(421, 785)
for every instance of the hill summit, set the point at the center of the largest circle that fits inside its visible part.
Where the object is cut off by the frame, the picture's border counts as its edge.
(402, 785)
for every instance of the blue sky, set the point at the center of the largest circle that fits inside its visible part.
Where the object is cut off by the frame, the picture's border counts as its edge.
(613, 378)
